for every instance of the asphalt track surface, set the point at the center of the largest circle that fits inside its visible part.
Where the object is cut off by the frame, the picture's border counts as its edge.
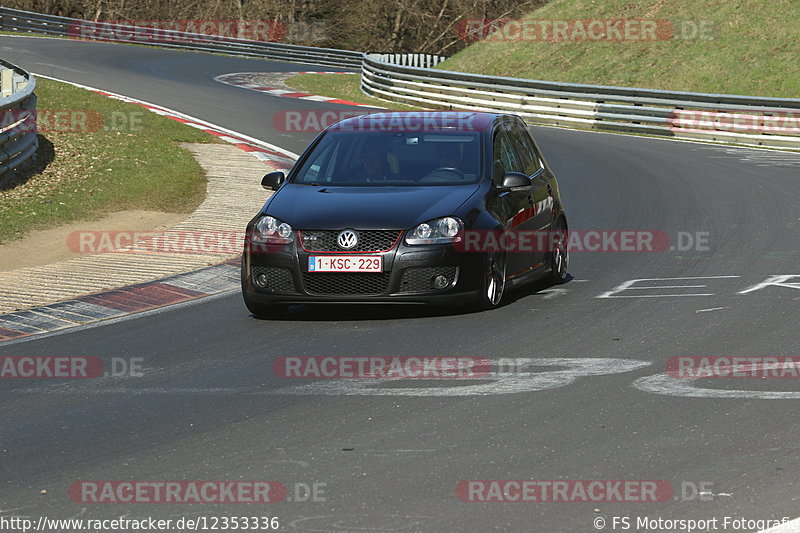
(209, 407)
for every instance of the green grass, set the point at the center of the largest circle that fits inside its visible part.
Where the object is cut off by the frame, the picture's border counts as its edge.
(753, 49)
(344, 86)
(124, 158)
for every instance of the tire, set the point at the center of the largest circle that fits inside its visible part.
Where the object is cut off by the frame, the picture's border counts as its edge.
(559, 254)
(493, 282)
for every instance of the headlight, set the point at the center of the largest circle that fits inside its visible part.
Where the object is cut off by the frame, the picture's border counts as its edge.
(270, 230)
(439, 231)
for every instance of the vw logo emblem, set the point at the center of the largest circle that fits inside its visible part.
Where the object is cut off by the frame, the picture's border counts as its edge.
(347, 239)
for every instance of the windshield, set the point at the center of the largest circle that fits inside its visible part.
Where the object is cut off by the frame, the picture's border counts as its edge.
(393, 159)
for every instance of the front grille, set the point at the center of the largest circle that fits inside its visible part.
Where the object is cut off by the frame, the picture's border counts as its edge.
(278, 279)
(368, 240)
(346, 282)
(418, 279)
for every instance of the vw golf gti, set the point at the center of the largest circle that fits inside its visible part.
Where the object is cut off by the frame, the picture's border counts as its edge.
(379, 208)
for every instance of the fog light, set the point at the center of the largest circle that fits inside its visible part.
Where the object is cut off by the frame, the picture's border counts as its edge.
(439, 281)
(261, 280)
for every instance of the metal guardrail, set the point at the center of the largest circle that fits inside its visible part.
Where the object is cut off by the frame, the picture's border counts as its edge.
(28, 22)
(409, 78)
(744, 120)
(18, 138)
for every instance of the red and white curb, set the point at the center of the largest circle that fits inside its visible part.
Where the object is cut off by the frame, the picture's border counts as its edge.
(264, 151)
(243, 80)
(118, 303)
(113, 305)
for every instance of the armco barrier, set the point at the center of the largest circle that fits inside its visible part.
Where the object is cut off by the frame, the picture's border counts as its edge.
(744, 120)
(18, 139)
(410, 79)
(25, 21)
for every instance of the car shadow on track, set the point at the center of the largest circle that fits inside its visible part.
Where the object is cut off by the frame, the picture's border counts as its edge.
(344, 312)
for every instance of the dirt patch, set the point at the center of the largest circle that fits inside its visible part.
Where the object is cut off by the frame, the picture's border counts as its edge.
(43, 247)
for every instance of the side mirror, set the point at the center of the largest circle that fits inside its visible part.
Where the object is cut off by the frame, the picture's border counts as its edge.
(514, 181)
(273, 181)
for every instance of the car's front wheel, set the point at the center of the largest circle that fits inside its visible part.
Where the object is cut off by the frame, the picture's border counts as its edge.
(494, 281)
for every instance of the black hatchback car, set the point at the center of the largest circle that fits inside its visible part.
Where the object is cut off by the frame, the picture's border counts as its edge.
(381, 207)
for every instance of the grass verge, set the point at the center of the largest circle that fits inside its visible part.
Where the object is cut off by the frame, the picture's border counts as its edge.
(344, 86)
(750, 48)
(98, 155)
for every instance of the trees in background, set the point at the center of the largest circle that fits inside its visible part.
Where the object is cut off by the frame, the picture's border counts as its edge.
(421, 26)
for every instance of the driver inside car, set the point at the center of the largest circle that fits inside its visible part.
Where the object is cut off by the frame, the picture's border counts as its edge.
(377, 164)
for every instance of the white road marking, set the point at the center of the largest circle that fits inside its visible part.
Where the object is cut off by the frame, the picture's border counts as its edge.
(549, 294)
(709, 493)
(711, 309)
(666, 385)
(512, 375)
(765, 159)
(667, 287)
(775, 281)
(792, 526)
(494, 383)
(628, 285)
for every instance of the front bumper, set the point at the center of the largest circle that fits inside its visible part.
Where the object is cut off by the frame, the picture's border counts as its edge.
(406, 277)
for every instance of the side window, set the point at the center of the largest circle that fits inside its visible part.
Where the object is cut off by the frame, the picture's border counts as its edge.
(505, 160)
(320, 166)
(525, 148)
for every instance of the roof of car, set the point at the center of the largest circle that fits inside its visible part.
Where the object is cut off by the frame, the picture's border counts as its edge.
(405, 121)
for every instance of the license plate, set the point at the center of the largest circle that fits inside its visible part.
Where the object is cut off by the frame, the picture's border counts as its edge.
(345, 263)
